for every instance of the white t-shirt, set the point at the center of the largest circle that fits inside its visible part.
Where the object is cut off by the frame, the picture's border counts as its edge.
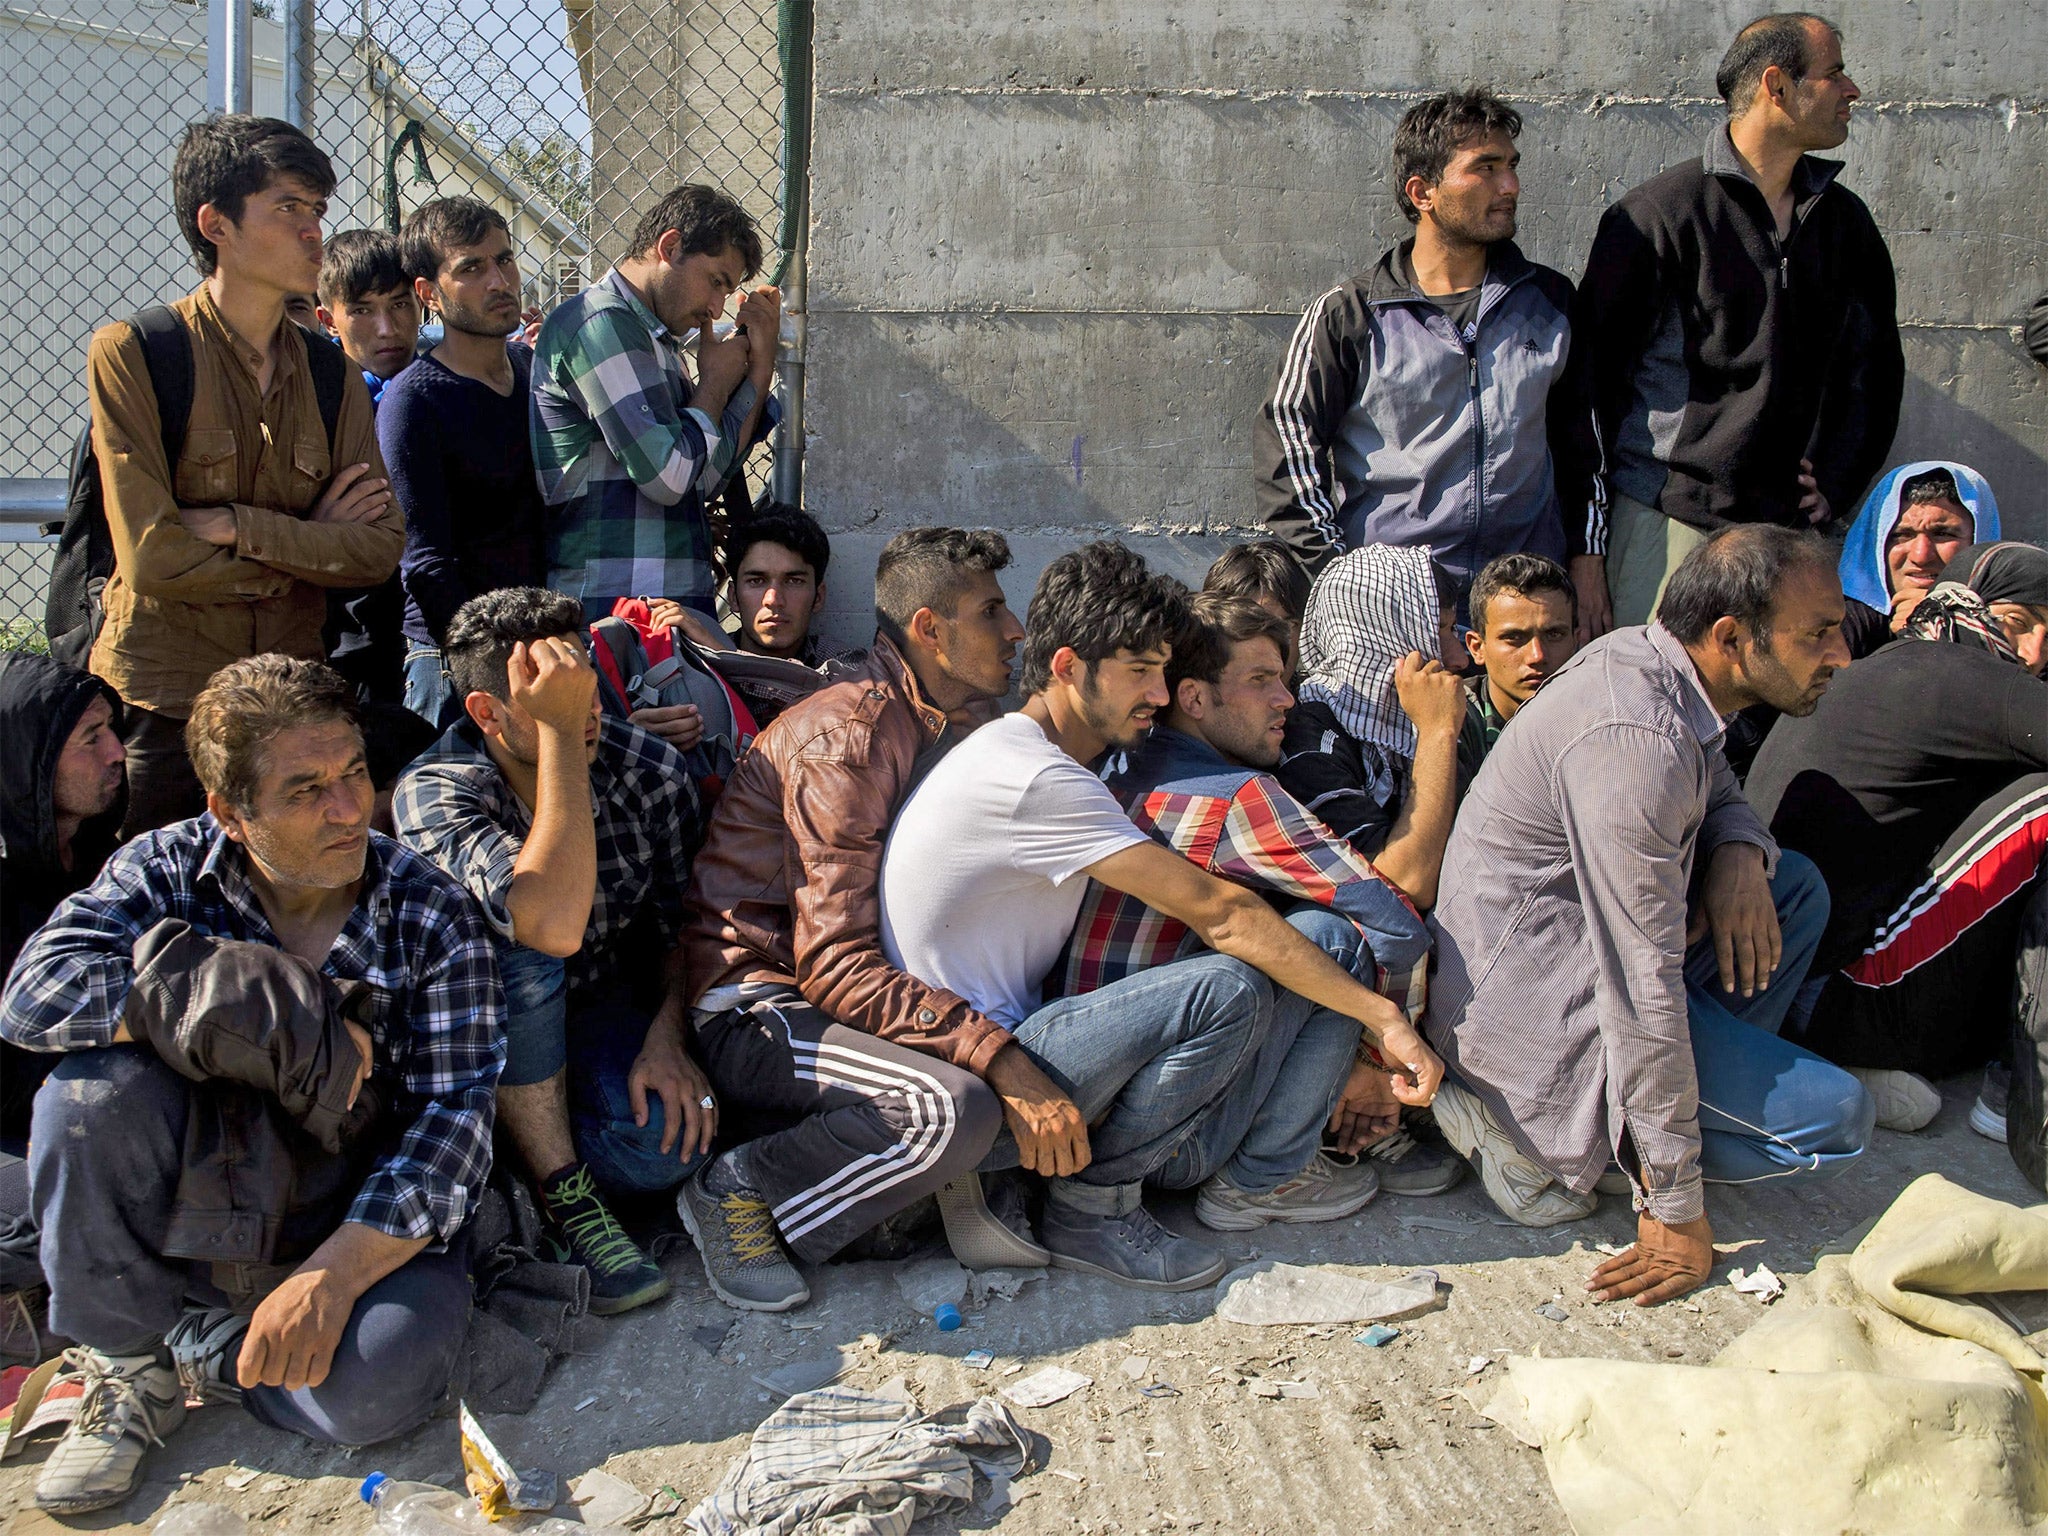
(981, 879)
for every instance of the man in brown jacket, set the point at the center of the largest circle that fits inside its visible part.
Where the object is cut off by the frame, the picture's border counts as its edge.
(798, 1017)
(225, 554)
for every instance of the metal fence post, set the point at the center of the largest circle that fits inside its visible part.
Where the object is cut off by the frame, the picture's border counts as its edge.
(229, 82)
(298, 64)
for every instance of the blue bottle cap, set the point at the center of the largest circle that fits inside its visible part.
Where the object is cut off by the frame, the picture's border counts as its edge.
(370, 1486)
(947, 1316)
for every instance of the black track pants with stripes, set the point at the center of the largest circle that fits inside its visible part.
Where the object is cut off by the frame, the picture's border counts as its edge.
(851, 1129)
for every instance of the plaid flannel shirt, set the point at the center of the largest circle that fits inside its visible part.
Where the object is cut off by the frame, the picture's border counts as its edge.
(627, 465)
(455, 808)
(437, 1013)
(1239, 825)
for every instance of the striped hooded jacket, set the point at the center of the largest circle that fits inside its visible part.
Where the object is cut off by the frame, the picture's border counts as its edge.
(1385, 426)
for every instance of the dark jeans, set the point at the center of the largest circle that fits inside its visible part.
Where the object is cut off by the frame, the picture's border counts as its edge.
(105, 1153)
(162, 788)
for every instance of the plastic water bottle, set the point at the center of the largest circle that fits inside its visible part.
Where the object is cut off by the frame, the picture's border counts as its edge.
(201, 1520)
(421, 1509)
(947, 1316)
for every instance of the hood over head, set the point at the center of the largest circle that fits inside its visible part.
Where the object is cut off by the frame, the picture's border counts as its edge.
(2006, 572)
(40, 701)
(1865, 576)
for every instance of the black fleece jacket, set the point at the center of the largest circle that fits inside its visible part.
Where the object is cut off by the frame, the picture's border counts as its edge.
(1721, 356)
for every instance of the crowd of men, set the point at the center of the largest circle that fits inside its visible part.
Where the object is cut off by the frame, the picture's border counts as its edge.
(348, 869)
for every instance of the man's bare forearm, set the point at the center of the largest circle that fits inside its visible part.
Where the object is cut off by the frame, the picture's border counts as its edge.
(355, 1257)
(1253, 932)
(554, 879)
(1413, 857)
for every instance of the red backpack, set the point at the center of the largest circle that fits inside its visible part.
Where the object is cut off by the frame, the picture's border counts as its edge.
(641, 666)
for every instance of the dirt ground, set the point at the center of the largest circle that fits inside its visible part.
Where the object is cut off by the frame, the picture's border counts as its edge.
(1386, 1444)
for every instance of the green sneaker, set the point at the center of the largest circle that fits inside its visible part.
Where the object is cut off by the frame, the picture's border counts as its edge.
(621, 1276)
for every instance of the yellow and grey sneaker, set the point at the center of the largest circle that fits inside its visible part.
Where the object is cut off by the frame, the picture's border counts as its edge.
(130, 1403)
(204, 1348)
(735, 1233)
(1519, 1185)
(621, 1276)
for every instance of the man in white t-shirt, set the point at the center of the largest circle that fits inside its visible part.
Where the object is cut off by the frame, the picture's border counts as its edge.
(981, 884)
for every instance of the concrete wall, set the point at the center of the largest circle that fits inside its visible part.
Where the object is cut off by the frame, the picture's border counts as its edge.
(1056, 249)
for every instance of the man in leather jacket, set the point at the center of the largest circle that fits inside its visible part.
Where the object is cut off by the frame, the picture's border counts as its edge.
(281, 1033)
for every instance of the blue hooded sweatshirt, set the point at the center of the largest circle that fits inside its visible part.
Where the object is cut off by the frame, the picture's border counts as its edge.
(1864, 575)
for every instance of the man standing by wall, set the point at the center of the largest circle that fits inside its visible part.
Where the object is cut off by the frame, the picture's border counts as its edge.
(1455, 350)
(223, 554)
(630, 451)
(1740, 318)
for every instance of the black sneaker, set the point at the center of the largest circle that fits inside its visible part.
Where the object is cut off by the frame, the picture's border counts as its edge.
(621, 1276)
(1987, 1115)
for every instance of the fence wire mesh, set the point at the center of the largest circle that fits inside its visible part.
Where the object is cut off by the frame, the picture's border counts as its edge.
(568, 116)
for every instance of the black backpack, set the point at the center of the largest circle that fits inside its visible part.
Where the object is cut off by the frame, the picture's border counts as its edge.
(84, 557)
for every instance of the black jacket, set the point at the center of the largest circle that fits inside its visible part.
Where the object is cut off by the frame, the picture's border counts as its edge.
(41, 700)
(272, 1146)
(1721, 357)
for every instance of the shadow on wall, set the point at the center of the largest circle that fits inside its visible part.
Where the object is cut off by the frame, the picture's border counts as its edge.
(1940, 419)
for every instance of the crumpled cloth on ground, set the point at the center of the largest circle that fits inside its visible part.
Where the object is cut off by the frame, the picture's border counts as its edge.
(839, 1462)
(1873, 1398)
(529, 1312)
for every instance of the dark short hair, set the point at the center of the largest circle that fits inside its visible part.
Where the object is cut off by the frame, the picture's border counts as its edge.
(1934, 485)
(439, 229)
(478, 650)
(228, 158)
(1217, 623)
(1779, 40)
(1434, 130)
(930, 568)
(245, 706)
(1736, 574)
(1524, 573)
(708, 221)
(1261, 568)
(777, 522)
(358, 263)
(1095, 601)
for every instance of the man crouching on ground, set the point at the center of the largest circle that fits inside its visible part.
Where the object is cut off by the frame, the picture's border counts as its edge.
(277, 977)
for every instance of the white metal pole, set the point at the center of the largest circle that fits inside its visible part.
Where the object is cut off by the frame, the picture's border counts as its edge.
(228, 76)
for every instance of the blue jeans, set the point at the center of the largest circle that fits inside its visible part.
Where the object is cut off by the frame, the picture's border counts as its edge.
(598, 1052)
(1770, 1109)
(428, 691)
(1266, 1129)
(1146, 1060)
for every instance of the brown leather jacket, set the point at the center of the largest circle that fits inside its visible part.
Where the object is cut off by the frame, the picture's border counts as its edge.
(788, 884)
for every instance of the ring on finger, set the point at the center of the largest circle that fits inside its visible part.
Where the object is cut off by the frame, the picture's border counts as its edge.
(707, 1102)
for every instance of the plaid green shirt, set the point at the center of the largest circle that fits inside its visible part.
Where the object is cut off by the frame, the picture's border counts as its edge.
(626, 463)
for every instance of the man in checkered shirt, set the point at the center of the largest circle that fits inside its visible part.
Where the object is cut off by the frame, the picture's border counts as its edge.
(1196, 784)
(630, 451)
(134, 1194)
(573, 833)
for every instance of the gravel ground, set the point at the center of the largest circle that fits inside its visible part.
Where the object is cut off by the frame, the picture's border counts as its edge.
(1388, 1442)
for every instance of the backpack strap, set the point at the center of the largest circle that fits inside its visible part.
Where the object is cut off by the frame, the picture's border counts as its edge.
(167, 353)
(613, 654)
(330, 374)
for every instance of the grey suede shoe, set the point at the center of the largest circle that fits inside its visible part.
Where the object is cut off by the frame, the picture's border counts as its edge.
(1131, 1249)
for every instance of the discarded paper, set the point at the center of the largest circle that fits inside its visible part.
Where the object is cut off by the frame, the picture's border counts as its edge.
(1378, 1336)
(603, 1499)
(1268, 1293)
(1043, 1388)
(809, 1373)
(1003, 1283)
(1760, 1283)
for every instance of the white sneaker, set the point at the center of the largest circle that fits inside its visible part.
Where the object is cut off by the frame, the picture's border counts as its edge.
(131, 1402)
(1323, 1191)
(1987, 1115)
(1905, 1101)
(1522, 1187)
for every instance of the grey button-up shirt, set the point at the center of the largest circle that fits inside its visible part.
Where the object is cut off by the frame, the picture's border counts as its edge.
(1560, 925)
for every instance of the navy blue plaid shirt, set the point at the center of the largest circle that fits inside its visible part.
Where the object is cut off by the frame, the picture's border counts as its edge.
(436, 1015)
(454, 807)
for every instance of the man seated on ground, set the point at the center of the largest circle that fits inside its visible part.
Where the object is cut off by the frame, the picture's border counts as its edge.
(776, 563)
(1372, 748)
(875, 1078)
(630, 449)
(1156, 1076)
(1525, 612)
(1909, 528)
(1920, 788)
(1201, 784)
(367, 306)
(1595, 1002)
(1268, 572)
(573, 834)
(273, 961)
(454, 432)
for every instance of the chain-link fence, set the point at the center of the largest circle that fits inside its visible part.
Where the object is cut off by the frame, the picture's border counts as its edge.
(568, 116)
